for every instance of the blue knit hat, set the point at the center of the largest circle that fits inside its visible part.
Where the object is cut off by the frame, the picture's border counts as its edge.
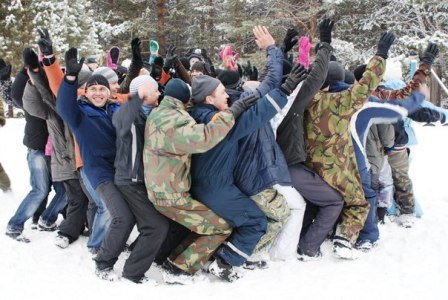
(178, 89)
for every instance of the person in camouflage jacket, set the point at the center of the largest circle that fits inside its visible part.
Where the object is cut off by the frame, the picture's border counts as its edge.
(330, 149)
(171, 137)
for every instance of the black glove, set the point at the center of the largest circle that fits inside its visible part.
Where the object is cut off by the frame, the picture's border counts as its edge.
(241, 105)
(430, 54)
(325, 29)
(190, 51)
(2, 121)
(240, 70)
(289, 41)
(247, 69)
(204, 54)
(45, 44)
(135, 47)
(254, 75)
(72, 66)
(30, 58)
(5, 70)
(297, 75)
(386, 40)
(170, 58)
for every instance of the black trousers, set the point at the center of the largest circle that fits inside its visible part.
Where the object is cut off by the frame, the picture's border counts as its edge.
(152, 226)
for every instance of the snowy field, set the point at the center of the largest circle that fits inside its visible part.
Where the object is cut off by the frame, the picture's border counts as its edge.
(407, 264)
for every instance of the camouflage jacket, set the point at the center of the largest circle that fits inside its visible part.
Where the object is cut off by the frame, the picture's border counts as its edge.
(171, 137)
(328, 139)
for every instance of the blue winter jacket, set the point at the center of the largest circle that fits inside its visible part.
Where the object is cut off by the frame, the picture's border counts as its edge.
(93, 129)
(261, 162)
(216, 166)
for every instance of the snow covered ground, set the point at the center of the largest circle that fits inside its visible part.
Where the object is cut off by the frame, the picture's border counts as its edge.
(408, 263)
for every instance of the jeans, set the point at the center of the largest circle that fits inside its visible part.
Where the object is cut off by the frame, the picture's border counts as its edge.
(57, 204)
(102, 217)
(40, 187)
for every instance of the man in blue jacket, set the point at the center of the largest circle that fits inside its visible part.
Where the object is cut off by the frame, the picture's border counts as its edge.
(212, 172)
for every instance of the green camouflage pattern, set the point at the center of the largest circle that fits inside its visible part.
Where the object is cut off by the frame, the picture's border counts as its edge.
(208, 232)
(403, 195)
(171, 137)
(329, 145)
(276, 209)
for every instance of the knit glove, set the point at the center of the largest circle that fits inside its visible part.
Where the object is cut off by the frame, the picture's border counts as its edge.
(386, 40)
(136, 54)
(45, 44)
(72, 66)
(170, 58)
(325, 29)
(241, 105)
(430, 54)
(30, 58)
(289, 41)
(5, 70)
(303, 57)
(297, 75)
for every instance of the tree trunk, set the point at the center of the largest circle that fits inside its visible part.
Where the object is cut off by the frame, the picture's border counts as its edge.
(161, 23)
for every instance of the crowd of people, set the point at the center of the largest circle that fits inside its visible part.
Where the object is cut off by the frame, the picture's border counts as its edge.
(218, 167)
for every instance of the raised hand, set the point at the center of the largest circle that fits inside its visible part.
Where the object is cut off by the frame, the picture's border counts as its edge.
(45, 43)
(325, 29)
(297, 75)
(72, 66)
(386, 40)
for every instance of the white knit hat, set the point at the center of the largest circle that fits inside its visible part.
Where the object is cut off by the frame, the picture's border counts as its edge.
(139, 80)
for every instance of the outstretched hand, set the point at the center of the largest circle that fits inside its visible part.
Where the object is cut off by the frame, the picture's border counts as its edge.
(262, 37)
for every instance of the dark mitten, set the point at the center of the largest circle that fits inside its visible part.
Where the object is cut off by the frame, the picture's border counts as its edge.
(430, 54)
(114, 54)
(325, 29)
(72, 66)
(290, 41)
(170, 58)
(5, 70)
(241, 105)
(254, 75)
(136, 53)
(45, 44)
(30, 58)
(297, 75)
(386, 40)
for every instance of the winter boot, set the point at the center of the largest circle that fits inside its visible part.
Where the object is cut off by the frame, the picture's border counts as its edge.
(61, 241)
(342, 248)
(308, 256)
(107, 274)
(223, 270)
(174, 275)
(405, 220)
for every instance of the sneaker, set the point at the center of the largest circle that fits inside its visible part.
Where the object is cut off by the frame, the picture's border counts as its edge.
(107, 274)
(342, 248)
(174, 275)
(405, 220)
(307, 256)
(61, 241)
(42, 226)
(366, 245)
(18, 236)
(223, 270)
(252, 265)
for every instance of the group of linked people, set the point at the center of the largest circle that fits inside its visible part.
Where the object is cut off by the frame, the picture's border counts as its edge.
(214, 172)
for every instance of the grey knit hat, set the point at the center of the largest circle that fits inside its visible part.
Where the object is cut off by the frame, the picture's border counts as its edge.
(108, 73)
(83, 76)
(203, 86)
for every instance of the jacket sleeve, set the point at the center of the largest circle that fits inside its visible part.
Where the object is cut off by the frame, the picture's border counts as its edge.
(425, 114)
(67, 105)
(54, 75)
(193, 138)
(421, 76)
(17, 89)
(258, 115)
(126, 114)
(43, 89)
(33, 103)
(274, 74)
(354, 98)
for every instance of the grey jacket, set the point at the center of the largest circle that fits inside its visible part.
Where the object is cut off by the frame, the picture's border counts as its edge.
(40, 102)
(380, 136)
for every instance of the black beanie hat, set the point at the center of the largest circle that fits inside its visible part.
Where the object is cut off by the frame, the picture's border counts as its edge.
(177, 89)
(335, 73)
(349, 77)
(97, 79)
(230, 79)
(359, 71)
(185, 62)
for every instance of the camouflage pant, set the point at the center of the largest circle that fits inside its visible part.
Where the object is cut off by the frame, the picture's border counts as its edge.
(209, 231)
(404, 195)
(276, 209)
(5, 183)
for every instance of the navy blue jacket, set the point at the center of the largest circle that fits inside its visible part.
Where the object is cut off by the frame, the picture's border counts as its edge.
(93, 129)
(216, 166)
